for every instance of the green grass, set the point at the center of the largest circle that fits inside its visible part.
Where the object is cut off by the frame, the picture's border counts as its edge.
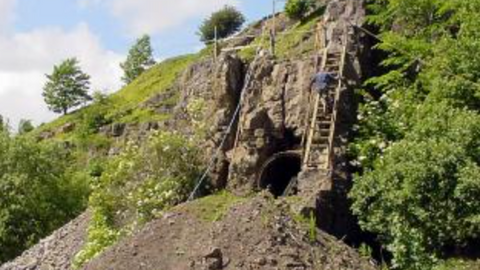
(143, 116)
(156, 80)
(456, 264)
(297, 42)
(291, 43)
(213, 208)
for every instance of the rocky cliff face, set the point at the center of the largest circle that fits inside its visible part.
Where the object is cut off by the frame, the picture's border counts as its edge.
(274, 117)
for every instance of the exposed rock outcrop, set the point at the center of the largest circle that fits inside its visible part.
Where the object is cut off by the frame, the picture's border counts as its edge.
(274, 118)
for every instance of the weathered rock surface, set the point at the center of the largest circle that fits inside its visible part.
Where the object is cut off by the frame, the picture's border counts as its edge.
(55, 252)
(274, 118)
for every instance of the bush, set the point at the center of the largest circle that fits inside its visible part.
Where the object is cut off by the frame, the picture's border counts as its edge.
(297, 9)
(227, 20)
(38, 192)
(422, 195)
(138, 186)
(418, 134)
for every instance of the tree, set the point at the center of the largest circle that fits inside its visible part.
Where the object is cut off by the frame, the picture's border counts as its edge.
(67, 87)
(39, 193)
(25, 126)
(139, 59)
(297, 9)
(418, 134)
(228, 20)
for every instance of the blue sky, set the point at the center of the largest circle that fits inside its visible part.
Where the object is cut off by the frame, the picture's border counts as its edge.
(36, 34)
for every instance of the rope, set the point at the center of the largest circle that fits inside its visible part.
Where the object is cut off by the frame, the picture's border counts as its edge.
(224, 140)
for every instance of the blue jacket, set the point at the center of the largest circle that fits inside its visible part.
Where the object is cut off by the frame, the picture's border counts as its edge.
(321, 80)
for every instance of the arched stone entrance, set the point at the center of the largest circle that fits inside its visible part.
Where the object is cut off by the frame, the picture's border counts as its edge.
(278, 171)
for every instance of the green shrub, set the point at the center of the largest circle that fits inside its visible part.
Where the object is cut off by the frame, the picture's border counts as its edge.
(38, 192)
(138, 186)
(459, 265)
(420, 196)
(298, 9)
(418, 143)
(228, 20)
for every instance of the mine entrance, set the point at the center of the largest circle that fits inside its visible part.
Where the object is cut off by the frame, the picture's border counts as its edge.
(278, 173)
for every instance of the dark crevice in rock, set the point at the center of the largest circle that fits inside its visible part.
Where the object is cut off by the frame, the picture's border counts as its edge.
(279, 172)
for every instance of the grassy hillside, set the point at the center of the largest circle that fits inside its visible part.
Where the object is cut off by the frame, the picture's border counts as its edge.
(296, 41)
(123, 106)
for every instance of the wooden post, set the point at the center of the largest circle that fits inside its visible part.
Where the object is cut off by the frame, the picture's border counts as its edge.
(273, 31)
(216, 45)
(272, 43)
(274, 19)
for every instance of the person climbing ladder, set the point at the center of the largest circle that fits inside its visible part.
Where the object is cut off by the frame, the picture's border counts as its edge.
(320, 83)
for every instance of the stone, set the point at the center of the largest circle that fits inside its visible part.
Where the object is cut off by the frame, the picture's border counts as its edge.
(213, 260)
(68, 127)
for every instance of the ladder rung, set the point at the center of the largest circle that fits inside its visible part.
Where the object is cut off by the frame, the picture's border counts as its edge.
(335, 53)
(322, 118)
(322, 141)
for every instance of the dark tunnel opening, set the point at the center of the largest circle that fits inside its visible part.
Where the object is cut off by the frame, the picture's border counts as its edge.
(279, 172)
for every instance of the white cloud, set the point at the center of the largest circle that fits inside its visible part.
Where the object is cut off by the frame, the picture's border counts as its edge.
(32, 54)
(155, 16)
(88, 3)
(6, 13)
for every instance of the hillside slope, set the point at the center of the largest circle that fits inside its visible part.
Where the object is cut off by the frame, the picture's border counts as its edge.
(224, 232)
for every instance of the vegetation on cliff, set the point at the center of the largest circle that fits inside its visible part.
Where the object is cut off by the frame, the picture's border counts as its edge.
(137, 186)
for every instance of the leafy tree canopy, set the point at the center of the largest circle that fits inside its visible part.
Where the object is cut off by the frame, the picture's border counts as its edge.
(25, 126)
(139, 59)
(227, 21)
(39, 194)
(67, 87)
(417, 145)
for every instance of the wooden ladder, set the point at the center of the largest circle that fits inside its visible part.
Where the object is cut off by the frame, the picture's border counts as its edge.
(318, 144)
